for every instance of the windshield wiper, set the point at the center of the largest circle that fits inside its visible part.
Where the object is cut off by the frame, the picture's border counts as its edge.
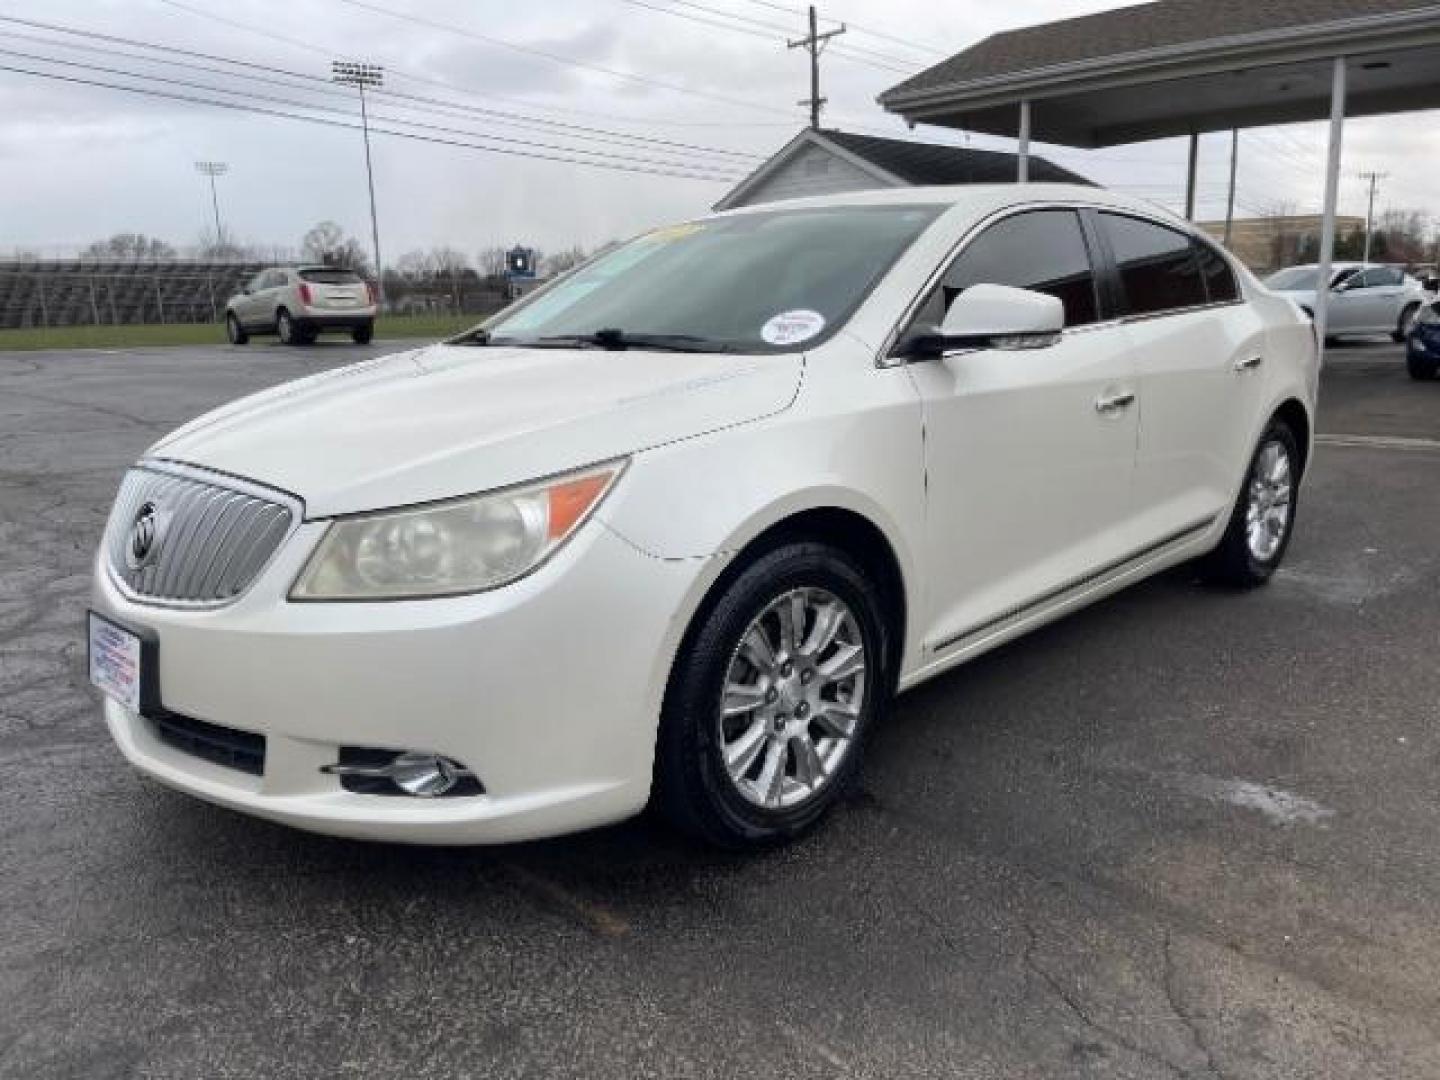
(618, 340)
(477, 336)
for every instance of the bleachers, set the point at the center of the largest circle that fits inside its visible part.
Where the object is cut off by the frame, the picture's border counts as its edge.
(79, 292)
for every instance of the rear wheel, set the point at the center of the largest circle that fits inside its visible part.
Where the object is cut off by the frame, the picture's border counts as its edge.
(285, 327)
(772, 697)
(361, 335)
(1407, 320)
(1421, 368)
(234, 331)
(1260, 525)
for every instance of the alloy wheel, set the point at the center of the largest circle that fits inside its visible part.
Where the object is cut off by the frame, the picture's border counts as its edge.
(1267, 514)
(792, 700)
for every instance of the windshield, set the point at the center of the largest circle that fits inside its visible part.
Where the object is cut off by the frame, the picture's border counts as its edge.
(762, 282)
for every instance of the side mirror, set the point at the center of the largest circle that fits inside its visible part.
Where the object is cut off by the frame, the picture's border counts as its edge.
(1431, 283)
(996, 317)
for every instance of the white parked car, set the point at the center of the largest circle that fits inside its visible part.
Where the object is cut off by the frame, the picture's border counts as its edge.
(1365, 298)
(299, 303)
(676, 527)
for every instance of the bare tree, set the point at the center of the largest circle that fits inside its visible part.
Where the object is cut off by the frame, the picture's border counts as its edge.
(562, 261)
(326, 242)
(130, 246)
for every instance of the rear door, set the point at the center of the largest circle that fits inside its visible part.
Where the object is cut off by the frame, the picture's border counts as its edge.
(1028, 453)
(1199, 353)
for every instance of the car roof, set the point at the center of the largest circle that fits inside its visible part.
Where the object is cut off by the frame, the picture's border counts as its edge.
(982, 199)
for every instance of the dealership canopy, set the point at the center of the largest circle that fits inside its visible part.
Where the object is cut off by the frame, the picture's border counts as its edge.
(1183, 67)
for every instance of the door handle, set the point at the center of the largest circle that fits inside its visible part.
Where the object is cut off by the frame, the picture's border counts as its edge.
(1249, 363)
(1110, 404)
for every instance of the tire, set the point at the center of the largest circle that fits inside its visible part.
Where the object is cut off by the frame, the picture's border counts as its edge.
(1244, 558)
(695, 789)
(1421, 368)
(234, 331)
(289, 333)
(361, 335)
(1402, 328)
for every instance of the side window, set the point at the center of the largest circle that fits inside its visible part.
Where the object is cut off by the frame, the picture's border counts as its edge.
(1365, 279)
(1388, 276)
(1220, 283)
(1158, 268)
(258, 281)
(1043, 250)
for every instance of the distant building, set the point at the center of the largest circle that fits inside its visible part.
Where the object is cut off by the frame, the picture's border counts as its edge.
(827, 162)
(1268, 243)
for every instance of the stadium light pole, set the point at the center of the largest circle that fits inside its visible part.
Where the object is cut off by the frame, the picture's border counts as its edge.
(348, 73)
(212, 169)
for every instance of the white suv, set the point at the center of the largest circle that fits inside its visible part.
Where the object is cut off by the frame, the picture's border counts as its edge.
(300, 303)
(678, 525)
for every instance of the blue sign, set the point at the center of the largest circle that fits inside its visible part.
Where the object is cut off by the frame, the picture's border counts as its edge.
(520, 263)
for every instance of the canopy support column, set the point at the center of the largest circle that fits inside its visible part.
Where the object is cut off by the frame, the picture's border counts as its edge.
(1022, 174)
(1190, 176)
(1332, 190)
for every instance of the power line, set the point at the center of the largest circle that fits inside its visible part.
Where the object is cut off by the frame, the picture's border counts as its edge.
(291, 103)
(321, 86)
(858, 27)
(766, 30)
(529, 50)
(676, 171)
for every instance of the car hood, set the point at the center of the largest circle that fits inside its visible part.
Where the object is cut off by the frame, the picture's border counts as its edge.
(451, 420)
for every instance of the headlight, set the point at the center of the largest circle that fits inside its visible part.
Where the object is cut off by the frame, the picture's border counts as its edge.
(460, 546)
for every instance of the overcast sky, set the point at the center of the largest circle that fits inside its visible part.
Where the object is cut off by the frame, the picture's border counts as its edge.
(81, 162)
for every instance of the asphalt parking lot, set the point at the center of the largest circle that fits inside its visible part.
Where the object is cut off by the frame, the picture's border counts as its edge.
(1183, 834)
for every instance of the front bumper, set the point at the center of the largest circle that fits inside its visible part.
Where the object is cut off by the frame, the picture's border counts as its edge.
(549, 689)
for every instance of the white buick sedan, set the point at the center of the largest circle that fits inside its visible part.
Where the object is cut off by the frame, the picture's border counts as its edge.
(675, 530)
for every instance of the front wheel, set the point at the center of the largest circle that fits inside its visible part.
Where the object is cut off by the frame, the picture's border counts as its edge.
(1407, 320)
(1264, 516)
(1421, 368)
(772, 697)
(234, 331)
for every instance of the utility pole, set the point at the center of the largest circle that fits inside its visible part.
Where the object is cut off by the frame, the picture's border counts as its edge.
(1374, 178)
(212, 169)
(360, 76)
(814, 43)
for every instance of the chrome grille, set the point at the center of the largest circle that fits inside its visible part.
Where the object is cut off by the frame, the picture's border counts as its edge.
(211, 535)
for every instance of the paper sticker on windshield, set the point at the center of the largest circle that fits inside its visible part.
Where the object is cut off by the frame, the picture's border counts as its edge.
(792, 327)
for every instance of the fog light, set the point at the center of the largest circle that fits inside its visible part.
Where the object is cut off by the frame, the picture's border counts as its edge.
(425, 775)
(380, 772)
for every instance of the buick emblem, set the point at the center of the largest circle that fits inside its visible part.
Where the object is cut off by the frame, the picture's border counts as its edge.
(144, 539)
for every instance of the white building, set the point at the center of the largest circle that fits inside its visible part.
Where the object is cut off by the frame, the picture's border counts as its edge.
(825, 162)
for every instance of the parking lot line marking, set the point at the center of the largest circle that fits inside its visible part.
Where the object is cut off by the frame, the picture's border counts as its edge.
(1379, 442)
(596, 918)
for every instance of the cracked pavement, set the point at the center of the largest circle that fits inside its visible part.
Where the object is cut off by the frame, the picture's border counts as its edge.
(1074, 857)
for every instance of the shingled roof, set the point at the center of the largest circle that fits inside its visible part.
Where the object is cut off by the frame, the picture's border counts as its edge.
(922, 163)
(1163, 24)
(899, 163)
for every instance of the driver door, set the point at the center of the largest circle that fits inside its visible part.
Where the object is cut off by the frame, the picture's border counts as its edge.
(1029, 454)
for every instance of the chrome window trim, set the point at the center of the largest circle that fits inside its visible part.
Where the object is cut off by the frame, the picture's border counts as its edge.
(164, 466)
(883, 358)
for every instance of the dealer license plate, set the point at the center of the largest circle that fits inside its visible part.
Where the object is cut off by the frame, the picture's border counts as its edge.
(115, 661)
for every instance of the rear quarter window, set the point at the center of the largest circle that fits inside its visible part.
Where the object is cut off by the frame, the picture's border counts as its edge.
(1220, 283)
(1158, 268)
